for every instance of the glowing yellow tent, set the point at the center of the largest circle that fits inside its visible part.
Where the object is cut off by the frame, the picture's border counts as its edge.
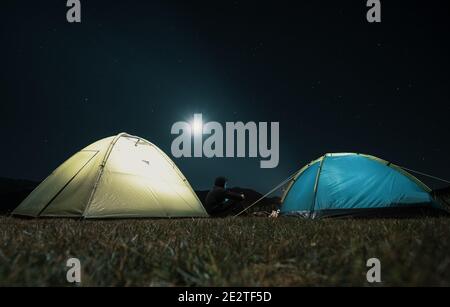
(123, 176)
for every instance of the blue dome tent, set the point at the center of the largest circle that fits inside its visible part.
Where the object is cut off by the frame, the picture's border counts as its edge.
(349, 184)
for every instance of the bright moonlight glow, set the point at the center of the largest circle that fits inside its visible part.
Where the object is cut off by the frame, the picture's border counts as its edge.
(197, 126)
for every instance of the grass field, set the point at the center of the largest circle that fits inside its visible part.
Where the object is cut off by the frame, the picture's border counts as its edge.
(225, 252)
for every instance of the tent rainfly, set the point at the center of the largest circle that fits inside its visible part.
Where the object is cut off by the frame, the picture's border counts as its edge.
(123, 176)
(349, 184)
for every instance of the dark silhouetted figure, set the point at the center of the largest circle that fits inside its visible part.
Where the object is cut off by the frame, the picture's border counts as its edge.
(221, 202)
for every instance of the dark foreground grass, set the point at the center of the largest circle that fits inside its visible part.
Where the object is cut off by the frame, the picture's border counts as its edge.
(225, 252)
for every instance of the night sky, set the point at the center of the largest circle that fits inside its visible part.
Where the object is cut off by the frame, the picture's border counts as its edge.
(334, 82)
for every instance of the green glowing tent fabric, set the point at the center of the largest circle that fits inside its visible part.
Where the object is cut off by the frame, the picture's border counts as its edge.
(348, 184)
(122, 176)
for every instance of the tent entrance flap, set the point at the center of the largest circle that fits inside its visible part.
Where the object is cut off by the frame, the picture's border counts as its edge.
(54, 184)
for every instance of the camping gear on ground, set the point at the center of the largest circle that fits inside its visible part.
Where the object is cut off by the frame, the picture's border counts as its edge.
(349, 184)
(123, 176)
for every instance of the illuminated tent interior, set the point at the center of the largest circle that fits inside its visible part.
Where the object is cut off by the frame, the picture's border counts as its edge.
(123, 176)
(352, 185)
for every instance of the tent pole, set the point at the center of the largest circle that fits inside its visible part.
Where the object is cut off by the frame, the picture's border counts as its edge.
(100, 172)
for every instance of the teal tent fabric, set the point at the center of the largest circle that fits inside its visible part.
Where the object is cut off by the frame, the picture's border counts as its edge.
(349, 183)
(301, 195)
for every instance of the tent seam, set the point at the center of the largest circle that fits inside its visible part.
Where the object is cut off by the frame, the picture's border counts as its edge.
(102, 168)
(65, 186)
(316, 185)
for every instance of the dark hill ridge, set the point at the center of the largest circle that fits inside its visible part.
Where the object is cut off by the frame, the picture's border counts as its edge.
(443, 196)
(13, 191)
(8, 185)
